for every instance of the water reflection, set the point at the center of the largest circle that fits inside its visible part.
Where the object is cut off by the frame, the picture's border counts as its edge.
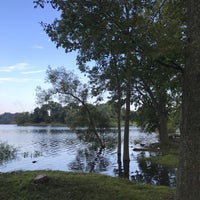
(153, 173)
(58, 148)
(92, 158)
(90, 161)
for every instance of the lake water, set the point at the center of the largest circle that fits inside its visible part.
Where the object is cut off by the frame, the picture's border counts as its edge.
(59, 148)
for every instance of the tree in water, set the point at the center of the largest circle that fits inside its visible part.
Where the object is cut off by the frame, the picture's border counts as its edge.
(97, 29)
(67, 88)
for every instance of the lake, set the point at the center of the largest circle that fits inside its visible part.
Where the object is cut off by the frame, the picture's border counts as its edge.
(59, 148)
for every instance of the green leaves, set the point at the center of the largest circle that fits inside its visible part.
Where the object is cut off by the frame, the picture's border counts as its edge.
(120, 43)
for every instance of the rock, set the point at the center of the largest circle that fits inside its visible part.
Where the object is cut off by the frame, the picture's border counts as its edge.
(41, 178)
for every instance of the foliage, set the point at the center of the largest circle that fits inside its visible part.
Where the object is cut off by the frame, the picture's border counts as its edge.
(169, 160)
(52, 112)
(102, 31)
(102, 114)
(174, 121)
(22, 118)
(62, 185)
(146, 118)
(72, 115)
(7, 152)
(65, 86)
(124, 38)
(7, 118)
(68, 89)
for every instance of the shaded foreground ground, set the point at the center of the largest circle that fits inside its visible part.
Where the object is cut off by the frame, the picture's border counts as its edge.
(74, 186)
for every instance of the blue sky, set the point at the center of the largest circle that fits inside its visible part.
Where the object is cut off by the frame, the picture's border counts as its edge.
(26, 52)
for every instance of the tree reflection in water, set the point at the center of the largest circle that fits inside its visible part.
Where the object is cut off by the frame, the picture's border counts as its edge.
(93, 158)
(87, 160)
(153, 173)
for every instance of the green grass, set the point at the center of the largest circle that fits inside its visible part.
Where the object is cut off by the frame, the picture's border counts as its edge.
(75, 186)
(169, 160)
(169, 154)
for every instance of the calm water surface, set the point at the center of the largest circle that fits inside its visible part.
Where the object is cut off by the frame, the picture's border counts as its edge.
(59, 148)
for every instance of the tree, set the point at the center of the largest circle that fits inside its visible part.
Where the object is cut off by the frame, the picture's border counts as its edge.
(189, 162)
(8, 118)
(40, 115)
(111, 29)
(158, 79)
(56, 112)
(67, 88)
(102, 114)
(156, 91)
(22, 118)
(107, 75)
(94, 28)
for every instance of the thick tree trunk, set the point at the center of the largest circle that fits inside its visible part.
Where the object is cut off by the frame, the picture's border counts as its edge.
(189, 164)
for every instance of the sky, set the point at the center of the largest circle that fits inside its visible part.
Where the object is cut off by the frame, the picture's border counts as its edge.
(25, 54)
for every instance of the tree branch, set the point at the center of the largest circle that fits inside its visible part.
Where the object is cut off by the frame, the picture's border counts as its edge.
(173, 65)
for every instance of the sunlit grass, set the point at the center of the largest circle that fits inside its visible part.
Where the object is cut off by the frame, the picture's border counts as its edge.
(169, 160)
(74, 186)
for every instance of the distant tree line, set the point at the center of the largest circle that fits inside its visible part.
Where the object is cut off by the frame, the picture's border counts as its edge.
(72, 115)
(8, 118)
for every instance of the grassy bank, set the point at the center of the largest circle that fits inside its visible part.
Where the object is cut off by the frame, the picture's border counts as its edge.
(167, 154)
(169, 160)
(74, 186)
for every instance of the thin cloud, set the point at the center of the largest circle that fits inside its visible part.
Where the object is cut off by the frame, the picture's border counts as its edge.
(37, 46)
(18, 66)
(17, 80)
(34, 72)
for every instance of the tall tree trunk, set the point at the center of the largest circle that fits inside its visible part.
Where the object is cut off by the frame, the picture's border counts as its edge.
(189, 158)
(119, 148)
(162, 116)
(126, 158)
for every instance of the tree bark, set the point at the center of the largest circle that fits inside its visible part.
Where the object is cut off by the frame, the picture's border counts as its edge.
(189, 159)
(162, 117)
(126, 158)
(119, 148)
(162, 128)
